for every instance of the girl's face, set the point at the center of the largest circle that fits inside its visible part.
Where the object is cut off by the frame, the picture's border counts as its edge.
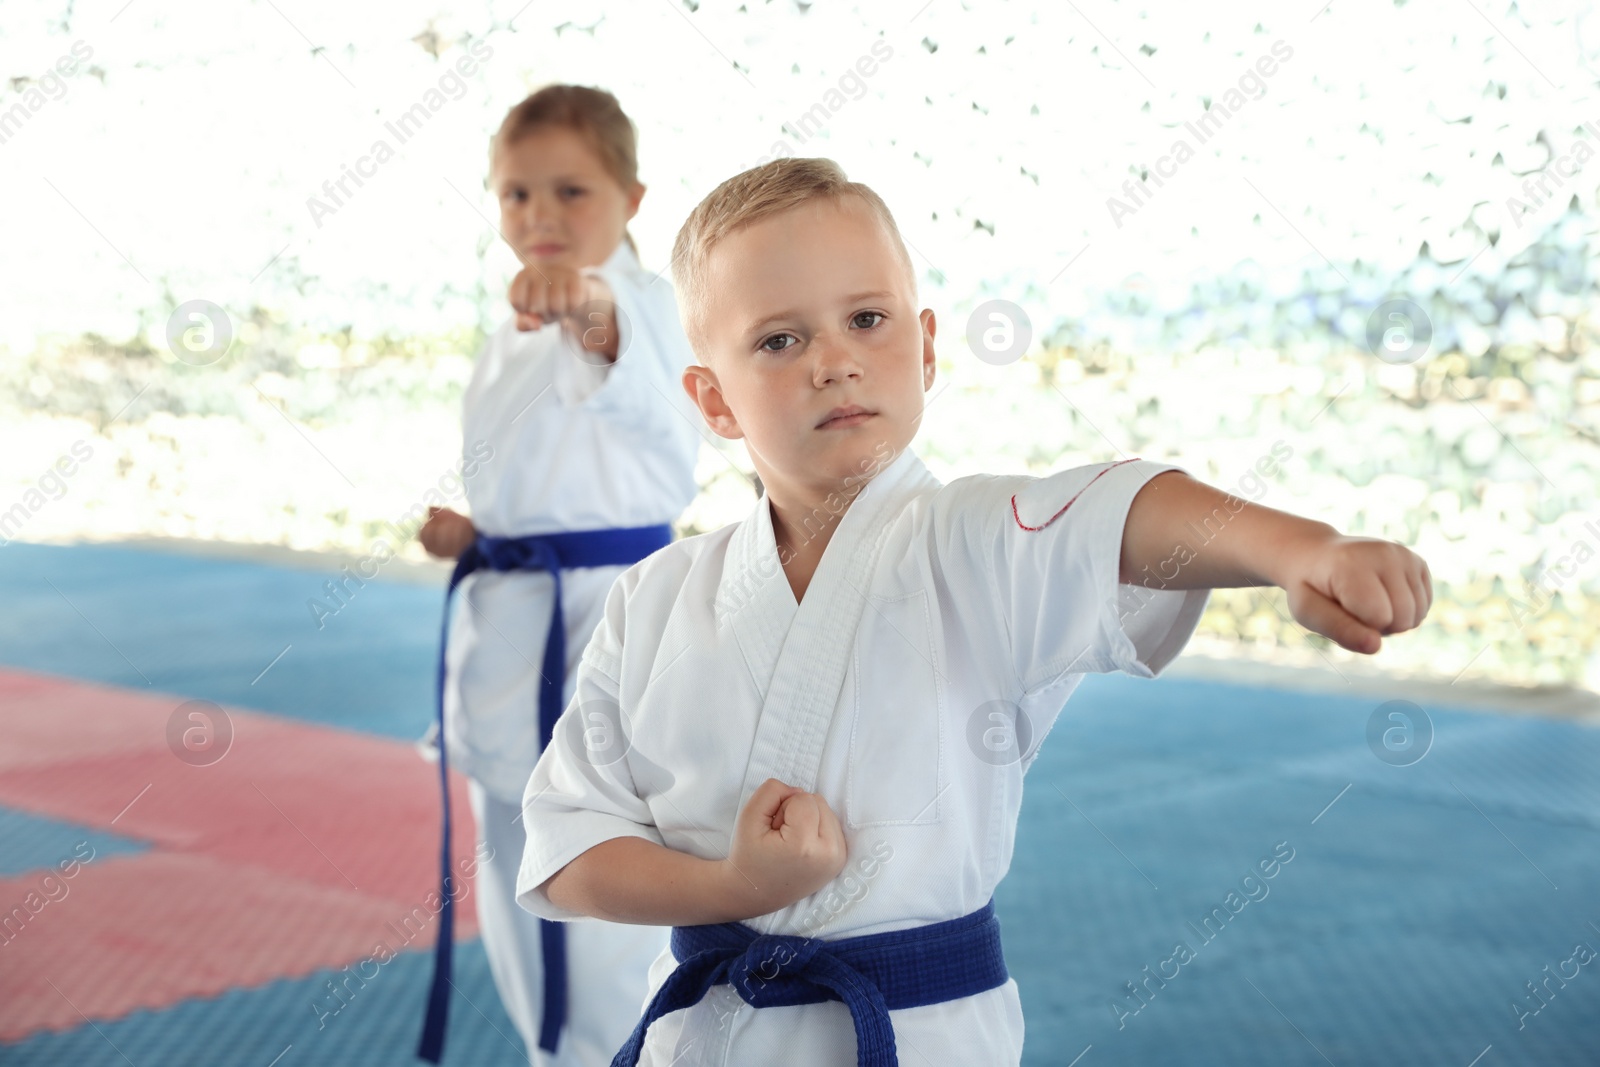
(558, 204)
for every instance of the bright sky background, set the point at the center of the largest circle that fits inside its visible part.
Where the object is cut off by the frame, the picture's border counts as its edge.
(178, 162)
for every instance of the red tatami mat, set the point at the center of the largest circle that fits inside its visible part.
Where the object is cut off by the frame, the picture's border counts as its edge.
(302, 848)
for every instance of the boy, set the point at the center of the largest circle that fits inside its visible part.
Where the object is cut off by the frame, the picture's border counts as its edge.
(818, 720)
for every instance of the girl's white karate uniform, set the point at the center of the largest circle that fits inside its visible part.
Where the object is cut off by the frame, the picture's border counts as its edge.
(576, 446)
(891, 689)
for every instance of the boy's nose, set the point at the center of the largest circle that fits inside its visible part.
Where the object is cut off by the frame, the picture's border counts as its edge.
(834, 360)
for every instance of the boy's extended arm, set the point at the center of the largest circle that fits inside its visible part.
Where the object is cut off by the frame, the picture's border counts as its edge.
(1183, 534)
(787, 844)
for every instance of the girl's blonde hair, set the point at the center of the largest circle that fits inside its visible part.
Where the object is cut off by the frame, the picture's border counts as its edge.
(592, 113)
(770, 189)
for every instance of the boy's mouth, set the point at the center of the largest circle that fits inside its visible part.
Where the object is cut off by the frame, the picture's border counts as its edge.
(852, 415)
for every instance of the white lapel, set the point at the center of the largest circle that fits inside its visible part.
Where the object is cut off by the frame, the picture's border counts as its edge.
(798, 655)
(753, 596)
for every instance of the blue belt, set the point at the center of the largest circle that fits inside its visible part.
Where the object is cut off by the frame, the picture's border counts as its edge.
(873, 975)
(538, 552)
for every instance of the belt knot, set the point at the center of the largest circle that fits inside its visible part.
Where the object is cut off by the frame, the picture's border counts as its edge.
(773, 968)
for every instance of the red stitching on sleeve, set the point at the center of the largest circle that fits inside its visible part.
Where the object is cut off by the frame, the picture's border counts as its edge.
(1068, 504)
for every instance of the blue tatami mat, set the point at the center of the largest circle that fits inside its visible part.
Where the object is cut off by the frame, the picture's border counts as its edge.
(35, 843)
(300, 1023)
(1415, 915)
(211, 629)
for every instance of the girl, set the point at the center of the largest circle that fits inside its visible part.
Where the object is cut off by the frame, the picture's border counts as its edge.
(578, 401)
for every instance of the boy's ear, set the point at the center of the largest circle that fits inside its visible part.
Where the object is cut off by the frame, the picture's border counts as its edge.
(701, 385)
(633, 200)
(929, 366)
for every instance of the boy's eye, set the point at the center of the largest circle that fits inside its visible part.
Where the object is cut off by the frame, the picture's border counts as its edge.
(766, 346)
(572, 191)
(878, 316)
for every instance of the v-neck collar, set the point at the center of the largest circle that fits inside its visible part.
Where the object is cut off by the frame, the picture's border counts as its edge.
(754, 595)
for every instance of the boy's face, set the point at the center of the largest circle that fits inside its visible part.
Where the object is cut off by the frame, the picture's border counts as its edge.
(558, 204)
(808, 311)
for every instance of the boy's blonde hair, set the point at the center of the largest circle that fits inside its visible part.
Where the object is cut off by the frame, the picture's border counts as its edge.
(593, 114)
(758, 193)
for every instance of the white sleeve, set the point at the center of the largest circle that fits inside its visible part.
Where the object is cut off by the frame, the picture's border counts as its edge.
(1051, 551)
(641, 393)
(577, 377)
(581, 792)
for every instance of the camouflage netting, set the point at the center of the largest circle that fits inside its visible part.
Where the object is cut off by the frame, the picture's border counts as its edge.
(1230, 312)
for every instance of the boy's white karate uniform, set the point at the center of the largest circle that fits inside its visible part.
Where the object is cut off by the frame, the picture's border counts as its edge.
(576, 446)
(886, 690)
